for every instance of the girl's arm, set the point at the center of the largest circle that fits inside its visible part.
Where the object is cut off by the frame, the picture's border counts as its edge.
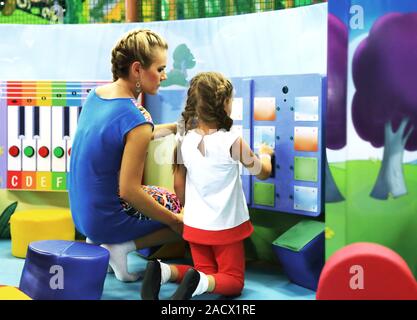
(163, 130)
(179, 182)
(260, 166)
(131, 171)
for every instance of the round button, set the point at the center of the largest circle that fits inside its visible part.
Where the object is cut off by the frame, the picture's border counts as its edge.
(69, 151)
(58, 152)
(29, 152)
(14, 151)
(43, 152)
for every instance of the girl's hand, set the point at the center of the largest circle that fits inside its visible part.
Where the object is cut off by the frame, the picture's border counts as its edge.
(264, 149)
(163, 130)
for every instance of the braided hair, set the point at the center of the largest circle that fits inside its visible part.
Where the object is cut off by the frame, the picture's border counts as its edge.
(136, 45)
(206, 100)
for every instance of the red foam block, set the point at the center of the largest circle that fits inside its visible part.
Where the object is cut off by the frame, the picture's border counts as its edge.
(366, 271)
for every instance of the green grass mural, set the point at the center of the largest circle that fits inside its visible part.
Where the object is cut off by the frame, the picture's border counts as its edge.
(362, 218)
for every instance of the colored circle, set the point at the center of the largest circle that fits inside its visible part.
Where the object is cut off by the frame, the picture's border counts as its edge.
(43, 152)
(29, 151)
(14, 151)
(58, 152)
(69, 151)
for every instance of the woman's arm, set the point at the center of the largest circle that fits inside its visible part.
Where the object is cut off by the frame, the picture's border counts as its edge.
(179, 182)
(260, 166)
(163, 130)
(131, 171)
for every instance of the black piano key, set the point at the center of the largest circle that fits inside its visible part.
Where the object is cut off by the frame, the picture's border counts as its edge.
(66, 121)
(35, 121)
(21, 126)
(79, 112)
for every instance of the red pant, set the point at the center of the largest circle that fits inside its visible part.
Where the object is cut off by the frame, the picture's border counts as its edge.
(226, 263)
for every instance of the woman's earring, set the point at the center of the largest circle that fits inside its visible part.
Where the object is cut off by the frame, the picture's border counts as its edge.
(138, 87)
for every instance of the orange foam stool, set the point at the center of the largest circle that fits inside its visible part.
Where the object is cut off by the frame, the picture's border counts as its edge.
(12, 293)
(41, 224)
(366, 271)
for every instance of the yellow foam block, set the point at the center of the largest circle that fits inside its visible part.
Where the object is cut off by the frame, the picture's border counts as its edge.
(12, 293)
(36, 225)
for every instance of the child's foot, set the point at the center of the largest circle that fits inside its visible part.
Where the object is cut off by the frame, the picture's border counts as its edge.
(109, 269)
(118, 260)
(188, 285)
(151, 281)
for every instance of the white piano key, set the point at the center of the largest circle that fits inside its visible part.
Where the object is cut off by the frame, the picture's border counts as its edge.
(58, 143)
(44, 150)
(14, 163)
(28, 142)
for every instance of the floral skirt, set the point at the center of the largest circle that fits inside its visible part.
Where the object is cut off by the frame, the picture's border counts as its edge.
(164, 197)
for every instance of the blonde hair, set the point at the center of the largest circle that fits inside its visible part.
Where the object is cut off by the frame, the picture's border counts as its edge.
(136, 45)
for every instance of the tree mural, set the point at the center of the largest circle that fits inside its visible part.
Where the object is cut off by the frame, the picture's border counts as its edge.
(384, 107)
(183, 60)
(336, 99)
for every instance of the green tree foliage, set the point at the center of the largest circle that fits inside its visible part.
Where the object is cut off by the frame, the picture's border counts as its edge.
(183, 60)
(5, 221)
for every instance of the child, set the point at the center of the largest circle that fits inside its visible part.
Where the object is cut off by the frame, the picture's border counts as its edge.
(208, 183)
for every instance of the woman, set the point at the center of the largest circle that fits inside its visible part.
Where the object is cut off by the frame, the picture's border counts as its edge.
(108, 156)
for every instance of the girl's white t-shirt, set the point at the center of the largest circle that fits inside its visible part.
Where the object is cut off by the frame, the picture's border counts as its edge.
(214, 198)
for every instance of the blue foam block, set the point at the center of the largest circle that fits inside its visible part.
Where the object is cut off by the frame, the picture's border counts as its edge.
(303, 267)
(64, 270)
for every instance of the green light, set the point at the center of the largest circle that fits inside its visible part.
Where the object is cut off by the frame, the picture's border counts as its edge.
(58, 152)
(29, 152)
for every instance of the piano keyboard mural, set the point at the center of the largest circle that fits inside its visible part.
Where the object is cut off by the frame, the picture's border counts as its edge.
(38, 123)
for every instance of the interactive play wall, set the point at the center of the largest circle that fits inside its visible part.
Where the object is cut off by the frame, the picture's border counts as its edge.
(286, 113)
(371, 135)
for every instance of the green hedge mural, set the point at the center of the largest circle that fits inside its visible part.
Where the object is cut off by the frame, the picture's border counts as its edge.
(5, 221)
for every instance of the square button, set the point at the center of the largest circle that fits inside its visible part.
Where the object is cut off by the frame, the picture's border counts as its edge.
(305, 169)
(305, 198)
(264, 108)
(306, 109)
(237, 109)
(306, 138)
(264, 135)
(264, 194)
